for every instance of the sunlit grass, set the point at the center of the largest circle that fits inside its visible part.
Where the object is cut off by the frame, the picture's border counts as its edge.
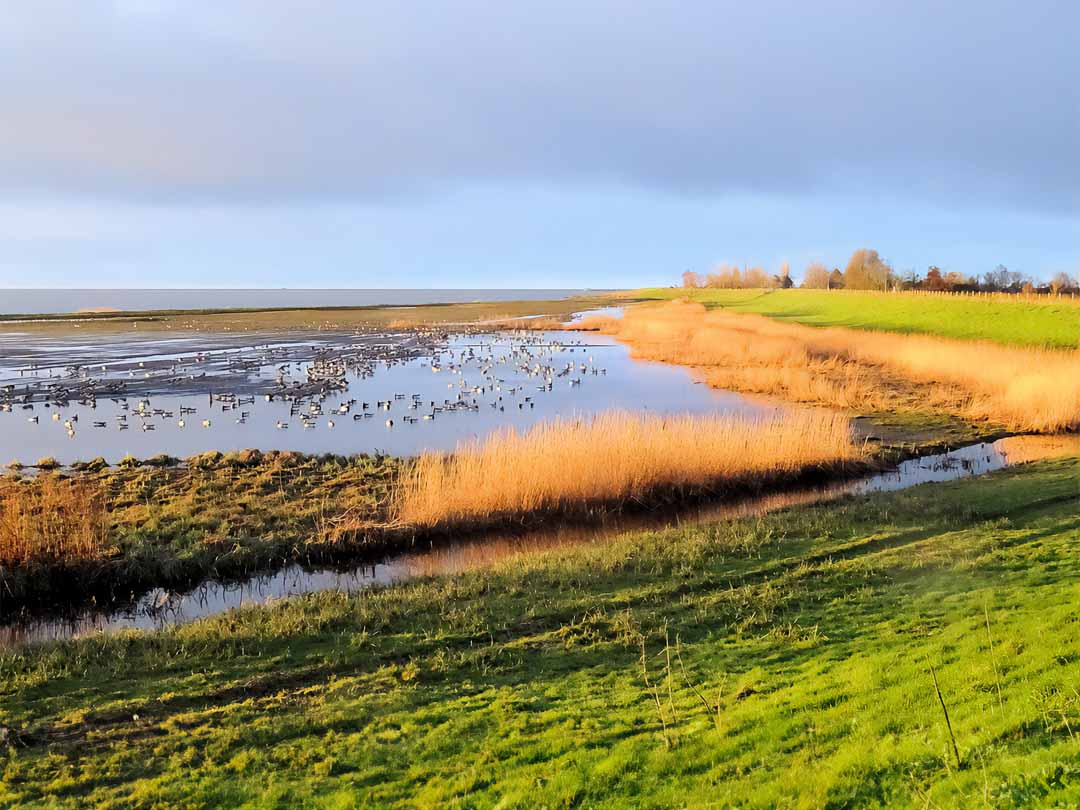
(1028, 321)
(809, 632)
(1024, 388)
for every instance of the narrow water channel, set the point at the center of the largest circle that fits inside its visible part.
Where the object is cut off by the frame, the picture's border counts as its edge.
(159, 609)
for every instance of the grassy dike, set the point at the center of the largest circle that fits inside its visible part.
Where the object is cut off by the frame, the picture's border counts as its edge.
(1054, 323)
(787, 662)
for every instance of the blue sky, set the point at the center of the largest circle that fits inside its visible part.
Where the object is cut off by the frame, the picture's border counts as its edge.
(538, 144)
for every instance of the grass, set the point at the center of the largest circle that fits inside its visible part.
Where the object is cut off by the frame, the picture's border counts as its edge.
(566, 465)
(139, 525)
(1001, 319)
(787, 662)
(1022, 388)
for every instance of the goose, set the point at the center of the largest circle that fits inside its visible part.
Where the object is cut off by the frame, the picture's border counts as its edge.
(206, 423)
(32, 420)
(389, 423)
(181, 423)
(330, 423)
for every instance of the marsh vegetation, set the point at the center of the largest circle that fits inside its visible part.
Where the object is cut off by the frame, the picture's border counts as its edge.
(1022, 388)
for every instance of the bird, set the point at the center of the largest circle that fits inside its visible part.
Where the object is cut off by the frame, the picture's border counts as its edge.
(389, 423)
(180, 423)
(206, 423)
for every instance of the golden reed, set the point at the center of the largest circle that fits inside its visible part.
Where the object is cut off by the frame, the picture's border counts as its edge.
(50, 520)
(1022, 388)
(616, 457)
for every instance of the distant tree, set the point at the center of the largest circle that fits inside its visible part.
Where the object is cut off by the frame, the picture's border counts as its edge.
(755, 278)
(910, 280)
(816, 276)
(783, 278)
(866, 270)
(1027, 286)
(1001, 278)
(934, 280)
(725, 277)
(836, 279)
(957, 281)
(1061, 282)
(690, 280)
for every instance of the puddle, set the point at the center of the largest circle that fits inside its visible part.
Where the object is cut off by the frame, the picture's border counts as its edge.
(160, 609)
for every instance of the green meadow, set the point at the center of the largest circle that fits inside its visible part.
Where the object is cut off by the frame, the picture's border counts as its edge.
(1000, 318)
(787, 660)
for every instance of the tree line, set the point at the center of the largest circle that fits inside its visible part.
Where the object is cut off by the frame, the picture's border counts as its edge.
(867, 270)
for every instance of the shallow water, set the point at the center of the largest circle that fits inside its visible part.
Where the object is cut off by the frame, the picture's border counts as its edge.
(160, 608)
(13, 302)
(110, 395)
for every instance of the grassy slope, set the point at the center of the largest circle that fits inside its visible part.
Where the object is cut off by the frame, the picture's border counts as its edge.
(521, 686)
(1003, 321)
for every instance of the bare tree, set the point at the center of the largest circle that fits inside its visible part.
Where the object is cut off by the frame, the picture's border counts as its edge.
(816, 276)
(1061, 282)
(690, 280)
(866, 270)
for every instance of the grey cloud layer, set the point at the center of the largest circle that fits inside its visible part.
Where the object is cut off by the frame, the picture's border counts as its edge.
(278, 100)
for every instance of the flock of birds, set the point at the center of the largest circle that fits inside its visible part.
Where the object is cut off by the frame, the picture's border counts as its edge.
(314, 382)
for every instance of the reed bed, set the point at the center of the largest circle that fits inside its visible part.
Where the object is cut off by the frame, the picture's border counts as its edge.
(1023, 388)
(617, 457)
(52, 521)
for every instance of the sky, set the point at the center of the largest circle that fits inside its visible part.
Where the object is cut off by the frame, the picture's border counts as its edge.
(536, 143)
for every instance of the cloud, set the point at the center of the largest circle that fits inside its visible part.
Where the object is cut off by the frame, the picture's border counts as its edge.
(282, 101)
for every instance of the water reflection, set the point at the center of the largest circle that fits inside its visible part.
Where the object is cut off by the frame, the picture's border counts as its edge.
(399, 393)
(161, 608)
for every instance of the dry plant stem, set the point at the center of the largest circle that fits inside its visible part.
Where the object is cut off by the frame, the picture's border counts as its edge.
(652, 689)
(945, 711)
(712, 711)
(993, 658)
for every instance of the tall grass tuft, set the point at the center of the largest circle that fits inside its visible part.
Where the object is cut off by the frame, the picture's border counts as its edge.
(1024, 388)
(50, 521)
(568, 465)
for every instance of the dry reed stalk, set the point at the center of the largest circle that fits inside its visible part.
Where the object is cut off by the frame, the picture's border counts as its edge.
(948, 722)
(564, 465)
(1021, 387)
(50, 520)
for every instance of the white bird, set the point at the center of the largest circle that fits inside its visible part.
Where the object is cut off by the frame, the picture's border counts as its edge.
(329, 423)
(389, 423)
(180, 423)
(206, 423)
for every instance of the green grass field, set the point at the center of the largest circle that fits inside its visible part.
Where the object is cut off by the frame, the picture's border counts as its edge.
(967, 318)
(805, 638)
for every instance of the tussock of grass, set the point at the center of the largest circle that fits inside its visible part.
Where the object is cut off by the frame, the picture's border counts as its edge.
(617, 457)
(1023, 388)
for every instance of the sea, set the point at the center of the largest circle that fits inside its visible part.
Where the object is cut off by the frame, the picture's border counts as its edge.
(40, 302)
